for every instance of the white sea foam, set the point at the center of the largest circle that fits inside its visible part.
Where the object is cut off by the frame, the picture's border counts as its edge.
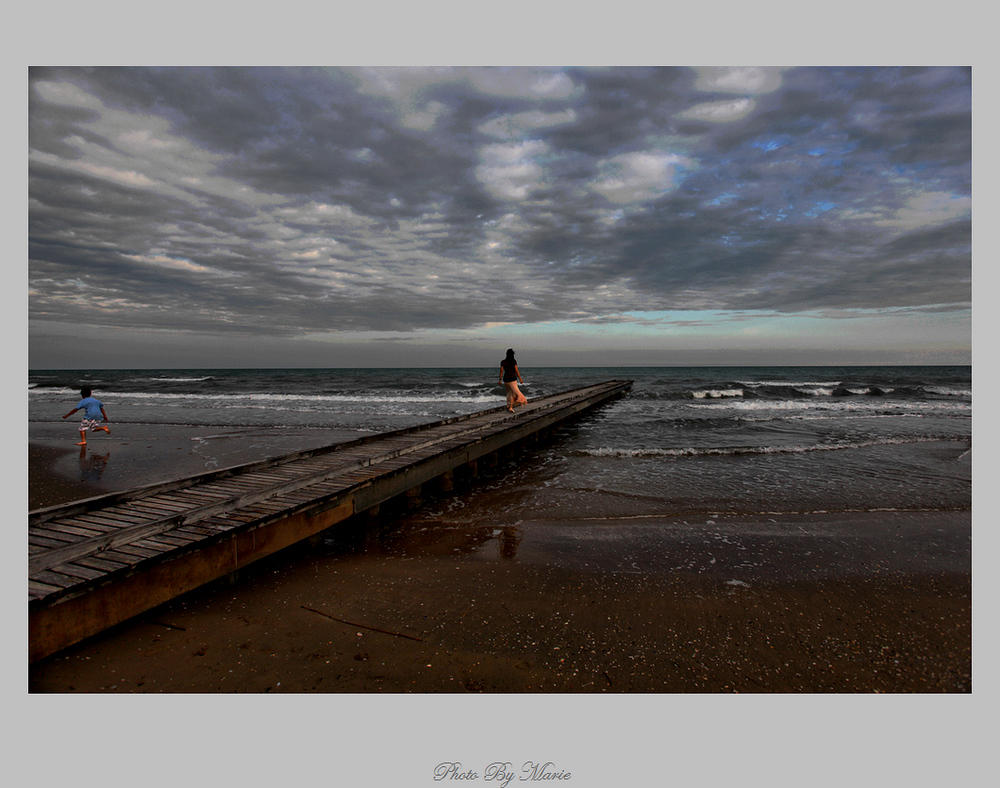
(717, 393)
(948, 392)
(178, 380)
(869, 391)
(817, 392)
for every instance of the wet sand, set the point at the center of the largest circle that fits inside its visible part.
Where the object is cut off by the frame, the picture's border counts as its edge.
(136, 455)
(867, 602)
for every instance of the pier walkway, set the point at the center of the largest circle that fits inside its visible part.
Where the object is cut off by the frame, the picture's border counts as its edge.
(97, 562)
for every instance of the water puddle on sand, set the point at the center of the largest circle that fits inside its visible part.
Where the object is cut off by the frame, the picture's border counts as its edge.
(741, 550)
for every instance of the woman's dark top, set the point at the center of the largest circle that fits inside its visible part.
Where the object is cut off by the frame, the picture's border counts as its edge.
(509, 370)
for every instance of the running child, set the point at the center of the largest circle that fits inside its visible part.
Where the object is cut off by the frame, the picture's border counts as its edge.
(93, 409)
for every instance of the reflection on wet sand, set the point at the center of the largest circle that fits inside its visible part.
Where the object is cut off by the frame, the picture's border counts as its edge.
(391, 538)
(92, 466)
(508, 539)
(479, 517)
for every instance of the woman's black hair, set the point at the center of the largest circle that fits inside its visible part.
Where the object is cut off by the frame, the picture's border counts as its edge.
(510, 352)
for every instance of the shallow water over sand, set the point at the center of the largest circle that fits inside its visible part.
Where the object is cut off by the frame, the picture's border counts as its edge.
(753, 440)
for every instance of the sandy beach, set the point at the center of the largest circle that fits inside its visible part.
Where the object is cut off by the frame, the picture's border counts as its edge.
(865, 602)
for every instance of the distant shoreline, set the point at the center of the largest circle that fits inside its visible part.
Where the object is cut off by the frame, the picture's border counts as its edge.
(859, 365)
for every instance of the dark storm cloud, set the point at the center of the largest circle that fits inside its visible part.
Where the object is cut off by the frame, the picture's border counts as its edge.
(288, 201)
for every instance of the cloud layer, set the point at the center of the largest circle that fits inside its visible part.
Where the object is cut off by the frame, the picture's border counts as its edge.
(286, 202)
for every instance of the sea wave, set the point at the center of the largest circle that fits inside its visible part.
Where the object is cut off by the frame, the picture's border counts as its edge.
(736, 451)
(840, 405)
(239, 399)
(789, 383)
(776, 392)
(61, 391)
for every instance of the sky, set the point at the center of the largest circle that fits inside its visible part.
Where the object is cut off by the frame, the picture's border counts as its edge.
(434, 216)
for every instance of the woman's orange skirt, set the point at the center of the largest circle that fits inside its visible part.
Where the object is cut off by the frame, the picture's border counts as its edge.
(514, 393)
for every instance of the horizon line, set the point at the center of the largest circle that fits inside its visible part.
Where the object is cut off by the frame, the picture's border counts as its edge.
(534, 366)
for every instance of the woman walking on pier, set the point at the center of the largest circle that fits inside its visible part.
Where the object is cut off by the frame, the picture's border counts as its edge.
(509, 377)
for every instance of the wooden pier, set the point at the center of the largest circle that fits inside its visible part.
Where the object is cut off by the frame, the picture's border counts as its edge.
(97, 562)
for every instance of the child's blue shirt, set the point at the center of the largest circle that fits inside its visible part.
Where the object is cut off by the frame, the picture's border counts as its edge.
(92, 405)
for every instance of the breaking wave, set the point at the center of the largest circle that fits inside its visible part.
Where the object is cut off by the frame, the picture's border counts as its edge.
(738, 451)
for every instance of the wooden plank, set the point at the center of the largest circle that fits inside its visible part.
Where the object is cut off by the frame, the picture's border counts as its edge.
(168, 541)
(130, 553)
(230, 488)
(276, 476)
(55, 579)
(46, 542)
(78, 571)
(217, 524)
(108, 564)
(72, 527)
(192, 532)
(42, 534)
(69, 533)
(141, 512)
(189, 499)
(40, 589)
(159, 549)
(106, 526)
(156, 514)
(203, 531)
(164, 508)
(107, 517)
(116, 560)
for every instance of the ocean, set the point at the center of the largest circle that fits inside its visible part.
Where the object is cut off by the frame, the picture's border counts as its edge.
(692, 441)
